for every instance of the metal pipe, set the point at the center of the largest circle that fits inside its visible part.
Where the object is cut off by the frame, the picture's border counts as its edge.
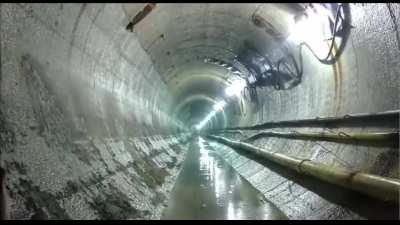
(388, 137)
(383, 188)
(229, 132)
(324, 121)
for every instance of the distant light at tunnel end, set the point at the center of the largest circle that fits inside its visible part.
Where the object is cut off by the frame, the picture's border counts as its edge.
(234, 89)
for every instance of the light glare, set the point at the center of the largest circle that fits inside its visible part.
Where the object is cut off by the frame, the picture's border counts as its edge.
(311, 29)
(219, 105)
(235, 88)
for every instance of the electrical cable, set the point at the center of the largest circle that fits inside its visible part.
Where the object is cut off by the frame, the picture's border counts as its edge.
(286, 69)
(297, 73)
(325, 60)
(283, 66)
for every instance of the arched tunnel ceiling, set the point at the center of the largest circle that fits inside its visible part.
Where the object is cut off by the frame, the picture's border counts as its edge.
(179, 37)
(86, 129)
(176, 34)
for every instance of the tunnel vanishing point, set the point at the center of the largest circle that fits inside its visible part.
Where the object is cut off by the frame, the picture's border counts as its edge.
(199, 111)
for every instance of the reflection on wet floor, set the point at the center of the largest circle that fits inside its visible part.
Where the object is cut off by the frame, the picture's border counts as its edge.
(208, 188)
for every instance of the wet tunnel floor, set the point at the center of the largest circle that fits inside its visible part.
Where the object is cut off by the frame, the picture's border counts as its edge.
(209, 188)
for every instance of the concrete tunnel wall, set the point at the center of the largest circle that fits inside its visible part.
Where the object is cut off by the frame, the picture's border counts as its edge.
(366, 79)
(86, 106)
(86, 131)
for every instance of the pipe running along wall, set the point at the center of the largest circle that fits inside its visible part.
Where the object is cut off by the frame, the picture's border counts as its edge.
(382, 188)
(97, 109)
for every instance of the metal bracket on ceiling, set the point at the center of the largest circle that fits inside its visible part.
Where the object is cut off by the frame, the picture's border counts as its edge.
(140, 16)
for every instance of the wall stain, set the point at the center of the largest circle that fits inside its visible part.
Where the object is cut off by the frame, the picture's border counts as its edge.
(74, 29)
(37, 199)
(386, 162)
(101, 9)
(45, 105)
(113, 204)
(7, 135)
(16, 166)
(78, 18)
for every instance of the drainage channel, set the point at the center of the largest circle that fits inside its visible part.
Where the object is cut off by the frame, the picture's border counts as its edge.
(209, 188)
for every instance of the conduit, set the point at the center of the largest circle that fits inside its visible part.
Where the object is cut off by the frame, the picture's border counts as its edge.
(324, 121)
(390, 138)
(95, 119)
(383, 188)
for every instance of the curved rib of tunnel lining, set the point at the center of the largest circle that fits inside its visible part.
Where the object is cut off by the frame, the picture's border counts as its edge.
(95, 119)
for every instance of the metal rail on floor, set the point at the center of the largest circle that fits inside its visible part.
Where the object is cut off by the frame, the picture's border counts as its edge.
(323, 122)
(383, 188)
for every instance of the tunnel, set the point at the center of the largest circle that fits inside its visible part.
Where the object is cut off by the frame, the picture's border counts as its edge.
(150, 110)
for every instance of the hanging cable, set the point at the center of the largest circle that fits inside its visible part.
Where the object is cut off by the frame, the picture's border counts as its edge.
(287, 66)
(345, 27)
(332, 42)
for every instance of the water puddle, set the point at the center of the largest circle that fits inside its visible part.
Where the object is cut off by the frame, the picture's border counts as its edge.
(209, 188)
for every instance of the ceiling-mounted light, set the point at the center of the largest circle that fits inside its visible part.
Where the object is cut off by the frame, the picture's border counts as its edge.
(312, 28)
(219, 105)
(236, 87)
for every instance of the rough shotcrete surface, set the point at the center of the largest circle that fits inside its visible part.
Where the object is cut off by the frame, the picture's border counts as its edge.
(106, 179)
(81, 135)
(86, 129)
(366, 80)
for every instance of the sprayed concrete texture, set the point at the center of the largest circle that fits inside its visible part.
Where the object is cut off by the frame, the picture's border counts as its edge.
(301, 197)
(82, 136)
(364, 80)
(95, 179)
(87, 125)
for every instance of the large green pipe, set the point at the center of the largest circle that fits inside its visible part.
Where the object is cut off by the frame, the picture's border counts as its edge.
(383, 188)
(388, 137)
(325, 121)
